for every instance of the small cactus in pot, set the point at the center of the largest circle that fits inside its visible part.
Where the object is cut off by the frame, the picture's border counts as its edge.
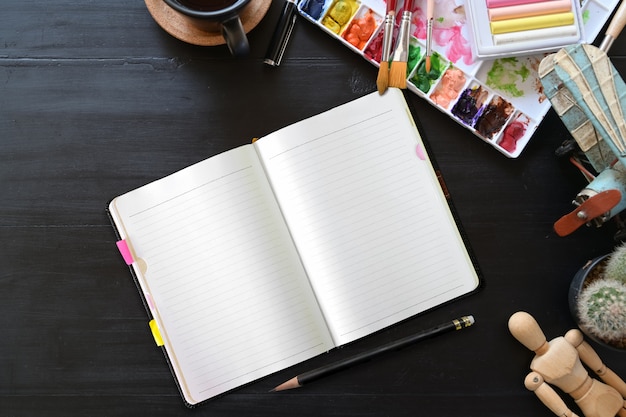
(616, 265)
(598, 299)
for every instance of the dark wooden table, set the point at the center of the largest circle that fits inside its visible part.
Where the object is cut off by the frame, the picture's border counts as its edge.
(96, 99)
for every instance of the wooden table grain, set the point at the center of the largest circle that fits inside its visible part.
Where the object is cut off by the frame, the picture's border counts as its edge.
(96, 99)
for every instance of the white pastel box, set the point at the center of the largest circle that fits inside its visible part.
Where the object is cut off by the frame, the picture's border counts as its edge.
(516, 26)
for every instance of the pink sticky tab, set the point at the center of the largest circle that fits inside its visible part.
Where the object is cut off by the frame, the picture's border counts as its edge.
(420, 152)
(125, 251)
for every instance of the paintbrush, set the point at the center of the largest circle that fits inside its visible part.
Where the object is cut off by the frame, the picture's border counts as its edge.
(382, 81)
(397, 73)
(430, 6)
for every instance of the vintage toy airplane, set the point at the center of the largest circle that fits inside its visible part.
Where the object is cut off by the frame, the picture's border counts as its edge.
(589, 95)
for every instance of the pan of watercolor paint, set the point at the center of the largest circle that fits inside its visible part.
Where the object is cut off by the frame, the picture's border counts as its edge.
(469, 102)
(499, 100)
(521, 27)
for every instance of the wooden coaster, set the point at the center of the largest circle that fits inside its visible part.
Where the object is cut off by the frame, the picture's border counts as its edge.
(198, 31)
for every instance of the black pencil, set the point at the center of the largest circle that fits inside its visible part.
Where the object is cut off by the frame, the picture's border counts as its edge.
(326, 370)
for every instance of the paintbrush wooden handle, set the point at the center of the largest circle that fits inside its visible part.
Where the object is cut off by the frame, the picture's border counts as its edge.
(430, 10)
(615, 27)
(618, 21)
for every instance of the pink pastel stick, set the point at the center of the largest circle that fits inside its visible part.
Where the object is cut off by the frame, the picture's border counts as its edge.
(526, 10)
(505, 3)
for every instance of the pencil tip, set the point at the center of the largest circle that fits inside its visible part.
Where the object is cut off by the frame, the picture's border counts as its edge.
(272, 390)
(292, 383)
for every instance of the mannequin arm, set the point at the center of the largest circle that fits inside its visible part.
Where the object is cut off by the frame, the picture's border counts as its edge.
(534, 382)
(590, 358)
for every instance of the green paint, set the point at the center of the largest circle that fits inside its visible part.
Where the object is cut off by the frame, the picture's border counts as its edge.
(440, 19)
(586, 16)
(505, 74)
(424, 80)
(414, 56)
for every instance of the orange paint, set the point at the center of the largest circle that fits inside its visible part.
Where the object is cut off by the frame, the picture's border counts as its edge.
(449, 87)
(360, 30)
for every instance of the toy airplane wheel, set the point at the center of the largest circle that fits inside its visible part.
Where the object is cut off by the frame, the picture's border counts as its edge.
(593, 207)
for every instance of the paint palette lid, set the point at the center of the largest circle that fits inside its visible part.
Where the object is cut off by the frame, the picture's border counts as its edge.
(503, 28)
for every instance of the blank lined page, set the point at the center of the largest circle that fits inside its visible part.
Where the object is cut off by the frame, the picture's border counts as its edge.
(230, 295)
(368, 215)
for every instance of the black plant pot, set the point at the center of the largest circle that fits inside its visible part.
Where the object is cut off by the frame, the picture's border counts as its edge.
(578, 283)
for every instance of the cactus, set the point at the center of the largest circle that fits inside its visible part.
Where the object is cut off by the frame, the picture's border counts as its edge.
(616, 265)
(602, 310)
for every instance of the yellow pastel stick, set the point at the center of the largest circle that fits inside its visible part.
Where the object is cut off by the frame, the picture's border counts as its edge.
(534, 22)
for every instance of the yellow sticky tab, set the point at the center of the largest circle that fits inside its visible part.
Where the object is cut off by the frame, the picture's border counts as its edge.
(156, 333)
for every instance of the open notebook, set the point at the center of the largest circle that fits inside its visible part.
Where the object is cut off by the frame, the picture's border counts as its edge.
(277, 251)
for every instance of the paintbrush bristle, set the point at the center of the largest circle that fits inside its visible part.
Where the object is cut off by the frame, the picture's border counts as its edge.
(428, 64)
(397, 74)
(382, 81)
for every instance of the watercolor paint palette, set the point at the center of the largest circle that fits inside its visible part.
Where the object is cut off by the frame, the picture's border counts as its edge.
(522, 27)
(501, 100)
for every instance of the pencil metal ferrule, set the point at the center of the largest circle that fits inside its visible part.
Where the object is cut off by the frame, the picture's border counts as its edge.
(463, 322)
(401, 52)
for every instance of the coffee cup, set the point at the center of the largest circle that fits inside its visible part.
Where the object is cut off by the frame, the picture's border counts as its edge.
(220, 14)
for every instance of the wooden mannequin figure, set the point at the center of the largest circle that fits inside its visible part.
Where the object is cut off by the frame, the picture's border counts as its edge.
(558, 362)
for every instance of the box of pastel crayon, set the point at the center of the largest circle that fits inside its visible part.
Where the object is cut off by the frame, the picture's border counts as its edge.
(500, 100)
(522, 27)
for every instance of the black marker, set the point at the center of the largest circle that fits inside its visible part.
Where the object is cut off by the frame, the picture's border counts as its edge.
(281, 35)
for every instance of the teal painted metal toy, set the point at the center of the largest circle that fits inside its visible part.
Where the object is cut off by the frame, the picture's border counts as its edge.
(589, 95)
